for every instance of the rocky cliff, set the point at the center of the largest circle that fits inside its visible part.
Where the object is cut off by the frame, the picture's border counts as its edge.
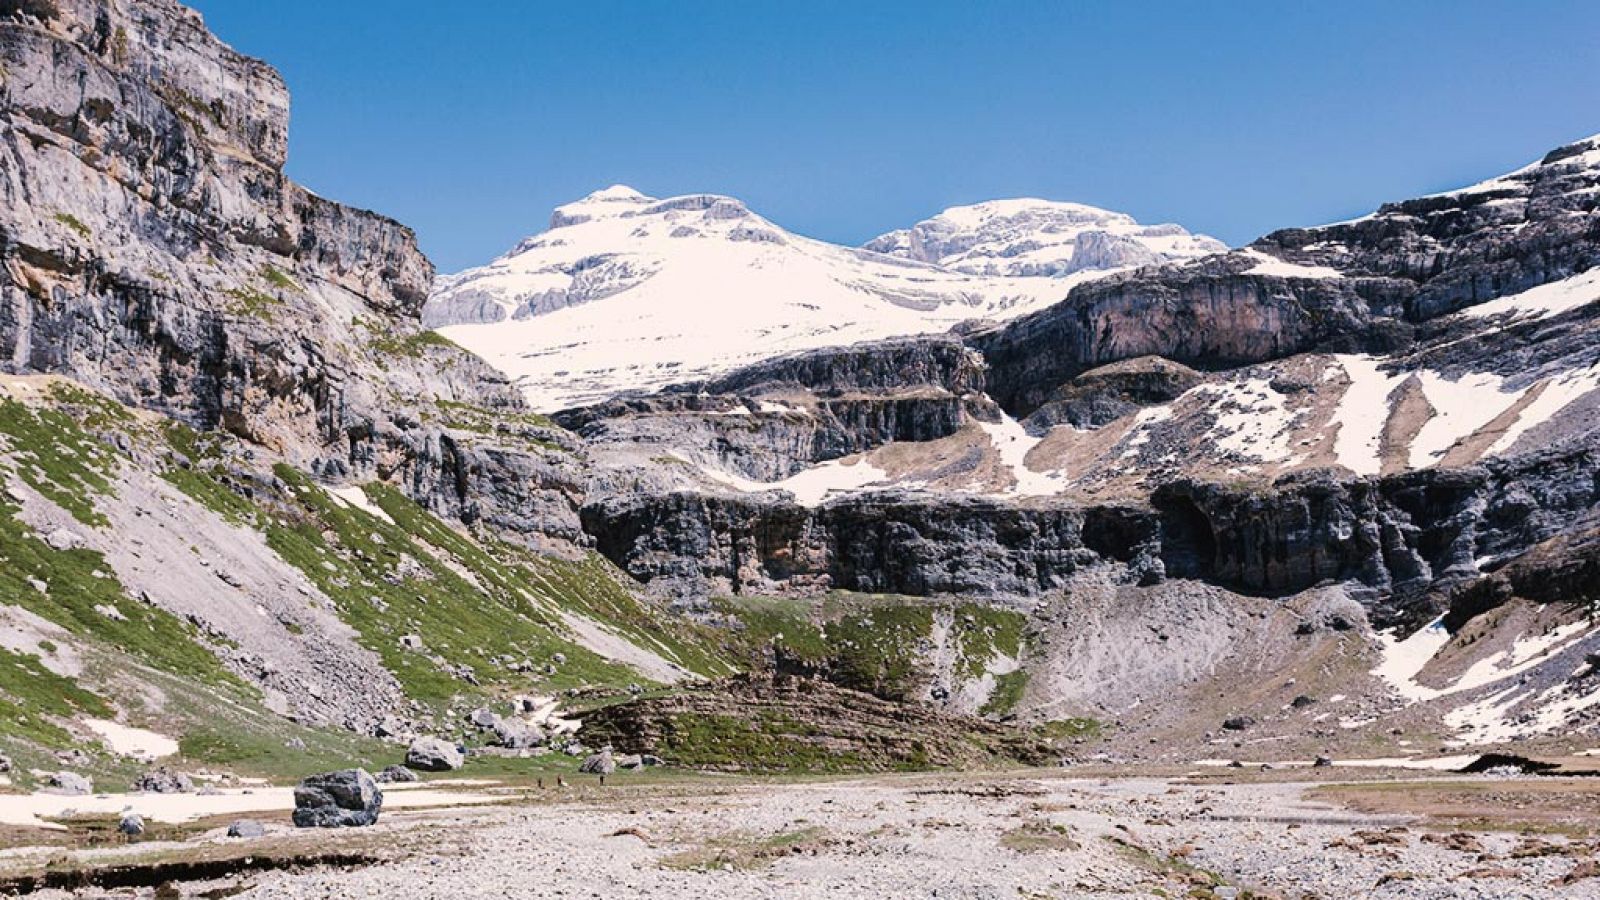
(152, 247)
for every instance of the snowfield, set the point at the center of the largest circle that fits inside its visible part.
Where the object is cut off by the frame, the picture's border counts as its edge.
(626, 292)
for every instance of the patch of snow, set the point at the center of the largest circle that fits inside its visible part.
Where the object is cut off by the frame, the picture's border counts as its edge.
(1404, 659)
(1461, 407)
(1558, 393)
(355, 497)
(125, 740)
(1544, 301)
(1013, 443)
(1271, 265)
(1251, 419)
(812, 486)
(1362, 413)
(33, 809)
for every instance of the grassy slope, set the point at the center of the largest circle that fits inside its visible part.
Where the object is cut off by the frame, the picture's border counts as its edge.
(478, 604)
(877, 643)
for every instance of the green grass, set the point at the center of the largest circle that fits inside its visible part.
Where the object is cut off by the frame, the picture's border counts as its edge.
(30, 695)
(1007, 694)
(412, 345)
(71, 221)
(77, 582)
(765, 741)
(874, 643)
(246, 301)
(876, 651)
(983, 633)
(279, 279)
(200, 478)
(1071, 729)
(354, 556)
(52, 453)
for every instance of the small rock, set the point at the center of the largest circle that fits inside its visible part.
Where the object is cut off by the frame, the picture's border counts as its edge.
(247, 828)
(344, 799)
(396, 775)
(1238, 723)
(411, 641)
(5, 763)
(1322, 762)
(1302, 701)
(483, 718)
(429, 754)
(131, 824)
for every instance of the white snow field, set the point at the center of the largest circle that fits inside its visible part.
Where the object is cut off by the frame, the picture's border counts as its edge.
(627, 292)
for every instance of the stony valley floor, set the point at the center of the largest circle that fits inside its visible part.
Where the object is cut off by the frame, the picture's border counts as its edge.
(1035, 835)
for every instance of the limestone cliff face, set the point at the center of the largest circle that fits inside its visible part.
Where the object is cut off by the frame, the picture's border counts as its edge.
(151, 245)
(1356, 286)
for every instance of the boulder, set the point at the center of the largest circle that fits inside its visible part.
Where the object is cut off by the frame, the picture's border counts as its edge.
(70, 783)
(396, 775)
(483, 718)
(429, 754)
(343, 799)
(131, 824)
(602, 763)
(164, 781)
(247, 828)
(5, 763)
(1238, 723)
(514, 735)
(1322, 762)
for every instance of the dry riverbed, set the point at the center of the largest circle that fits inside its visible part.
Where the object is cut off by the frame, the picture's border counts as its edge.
(1037, 834)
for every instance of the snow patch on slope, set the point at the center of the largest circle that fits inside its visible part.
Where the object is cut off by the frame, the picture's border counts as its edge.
(1013, 443)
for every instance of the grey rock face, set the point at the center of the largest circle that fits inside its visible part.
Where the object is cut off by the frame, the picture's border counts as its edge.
(430, 754)
(1407, 264)
(153, 248)
(344, 799)
(1103, 395)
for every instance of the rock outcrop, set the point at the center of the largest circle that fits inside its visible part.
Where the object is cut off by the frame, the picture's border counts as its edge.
(151, 246)
(755, 724)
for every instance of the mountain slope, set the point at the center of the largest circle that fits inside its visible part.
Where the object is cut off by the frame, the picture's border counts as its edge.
(1026, 237)
(626, 292)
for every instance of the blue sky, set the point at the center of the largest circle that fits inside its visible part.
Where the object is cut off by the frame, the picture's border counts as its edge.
(840, 120)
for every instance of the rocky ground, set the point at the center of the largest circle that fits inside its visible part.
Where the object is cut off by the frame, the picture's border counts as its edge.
(1032, 834)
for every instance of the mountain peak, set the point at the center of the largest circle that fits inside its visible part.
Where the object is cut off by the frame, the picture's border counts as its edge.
(1026, 236)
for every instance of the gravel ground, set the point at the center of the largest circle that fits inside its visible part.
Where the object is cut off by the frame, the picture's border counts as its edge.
(947, 836)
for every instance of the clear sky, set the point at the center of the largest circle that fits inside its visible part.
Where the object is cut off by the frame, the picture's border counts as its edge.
(469, 120)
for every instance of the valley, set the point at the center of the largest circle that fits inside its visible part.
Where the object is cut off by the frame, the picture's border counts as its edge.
(680, 552)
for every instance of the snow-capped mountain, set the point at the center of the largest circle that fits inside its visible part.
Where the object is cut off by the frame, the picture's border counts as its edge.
(1030, 237)
(626, 292)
